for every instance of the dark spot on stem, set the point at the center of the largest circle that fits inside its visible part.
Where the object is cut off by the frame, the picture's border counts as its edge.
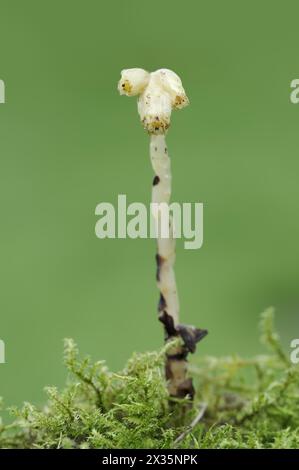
(168, 323)
(189, 334)
(186, 388)
(159, 260)
(162, 303)
(156, 180)
(182, 356)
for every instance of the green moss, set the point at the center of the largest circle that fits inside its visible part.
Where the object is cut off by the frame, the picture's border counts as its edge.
(249, 403)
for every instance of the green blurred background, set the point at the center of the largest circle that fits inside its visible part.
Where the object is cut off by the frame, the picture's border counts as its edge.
(68, 142)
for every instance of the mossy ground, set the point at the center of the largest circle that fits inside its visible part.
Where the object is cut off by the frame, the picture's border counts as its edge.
(249, 403)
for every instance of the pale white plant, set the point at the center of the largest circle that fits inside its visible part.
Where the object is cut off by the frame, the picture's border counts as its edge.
(158, 94)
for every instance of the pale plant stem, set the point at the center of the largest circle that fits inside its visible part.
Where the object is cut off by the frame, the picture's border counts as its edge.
(158, 94)
(161, 193)
(176, 364)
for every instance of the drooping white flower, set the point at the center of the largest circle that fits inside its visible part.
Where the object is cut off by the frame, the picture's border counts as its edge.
(159, 93)
(133, 82)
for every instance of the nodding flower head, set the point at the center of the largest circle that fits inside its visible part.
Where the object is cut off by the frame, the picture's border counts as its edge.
(159, 93)
(133, 82)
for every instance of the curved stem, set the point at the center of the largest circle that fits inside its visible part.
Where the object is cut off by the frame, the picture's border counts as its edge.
(161, 193)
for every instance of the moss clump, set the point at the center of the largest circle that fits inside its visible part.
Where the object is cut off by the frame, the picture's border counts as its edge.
(249, 403)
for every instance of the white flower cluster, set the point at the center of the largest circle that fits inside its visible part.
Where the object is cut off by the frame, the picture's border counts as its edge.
(159, 93)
